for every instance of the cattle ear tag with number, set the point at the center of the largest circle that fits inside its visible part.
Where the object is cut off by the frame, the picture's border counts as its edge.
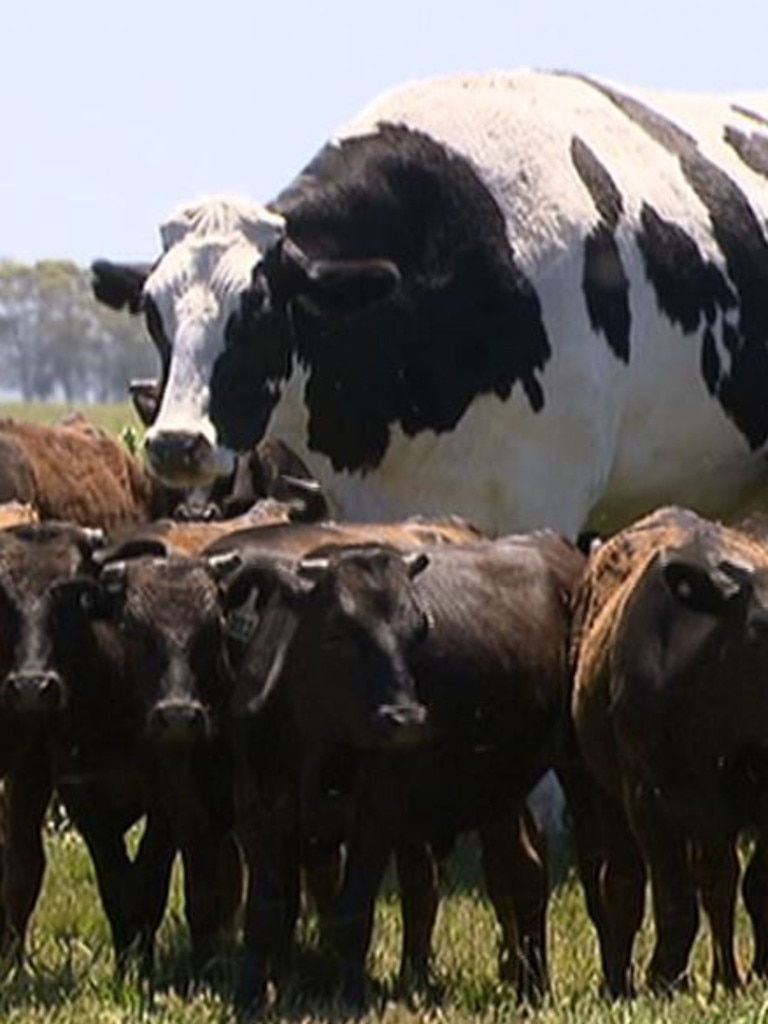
(242, 622)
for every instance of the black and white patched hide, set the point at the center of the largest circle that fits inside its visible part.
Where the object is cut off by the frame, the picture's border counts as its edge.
(533, 299)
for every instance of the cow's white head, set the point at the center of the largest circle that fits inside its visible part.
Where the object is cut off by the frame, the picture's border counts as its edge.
(215, 304)
(192, 295)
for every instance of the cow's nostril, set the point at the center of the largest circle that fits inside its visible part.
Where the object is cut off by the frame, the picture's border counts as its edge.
(400, 725)
(177, 720)
(180, 458)
(34, 691)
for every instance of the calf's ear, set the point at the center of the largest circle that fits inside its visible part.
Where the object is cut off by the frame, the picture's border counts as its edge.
(223, 566)
(704, 587)
(416, 562)
(134, 547)
(120, 285)
(265, 579)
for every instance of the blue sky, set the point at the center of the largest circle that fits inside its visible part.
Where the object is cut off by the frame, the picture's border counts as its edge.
(114, 113)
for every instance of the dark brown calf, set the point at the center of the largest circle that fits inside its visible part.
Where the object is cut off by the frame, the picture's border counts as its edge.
(670, 710)
(169, 618)
(62, 717)
(442, 675)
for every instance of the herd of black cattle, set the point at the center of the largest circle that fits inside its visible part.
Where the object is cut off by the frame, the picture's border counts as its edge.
(290, 701)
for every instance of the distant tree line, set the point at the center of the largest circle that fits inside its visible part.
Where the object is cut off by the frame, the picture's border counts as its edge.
(58, 343)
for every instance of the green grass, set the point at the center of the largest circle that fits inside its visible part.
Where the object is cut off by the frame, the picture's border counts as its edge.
(112, 417)
(69, 975)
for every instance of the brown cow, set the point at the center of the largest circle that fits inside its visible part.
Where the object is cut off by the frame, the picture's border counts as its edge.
(70, 473)
(670, 711)
(75, 472)
(272, 526)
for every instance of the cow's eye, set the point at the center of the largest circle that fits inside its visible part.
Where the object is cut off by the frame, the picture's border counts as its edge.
(130, 627)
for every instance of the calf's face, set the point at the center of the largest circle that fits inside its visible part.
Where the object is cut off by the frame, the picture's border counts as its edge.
(342, 628)
(168, 613)
(47, 597)
(702, 614)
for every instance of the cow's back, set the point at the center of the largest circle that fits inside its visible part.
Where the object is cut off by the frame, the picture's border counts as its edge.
(72, 474)
(496, 651)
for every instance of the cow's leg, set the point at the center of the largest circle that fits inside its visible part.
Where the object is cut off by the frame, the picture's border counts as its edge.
(417, 878)
(351, 922)
(584, 806)
(755, 891)
(28, 793)
(622, 899)
(152, 878)
(270, 846)
(516, 876)
(322, 869)
(717, 871)
(673, 891)
(530, 892)
(102, 829)
(212, 891)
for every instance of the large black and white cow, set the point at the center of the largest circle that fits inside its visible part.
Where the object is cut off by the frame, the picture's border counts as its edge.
(532, 298)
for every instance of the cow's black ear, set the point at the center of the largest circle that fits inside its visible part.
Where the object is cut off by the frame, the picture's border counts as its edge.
(340, 287)
(133, 547)
(120, 285)
(331, 287)
(416, 562)
(703, 587)
(145, 396)
(256, 576)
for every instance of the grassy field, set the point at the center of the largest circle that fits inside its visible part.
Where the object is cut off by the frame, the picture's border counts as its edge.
(69, 976)
(112, 417)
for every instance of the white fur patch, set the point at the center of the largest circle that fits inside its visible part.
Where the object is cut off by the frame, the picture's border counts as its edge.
(211, 248)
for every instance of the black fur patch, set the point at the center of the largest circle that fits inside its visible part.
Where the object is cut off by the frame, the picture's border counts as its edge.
(606, 287)
(464, 321)
(753, 148)
(600, 185)
(689, 289)
(738, 234)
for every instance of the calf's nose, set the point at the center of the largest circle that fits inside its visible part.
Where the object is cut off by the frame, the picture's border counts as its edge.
(177, 721)
(34, 691)
(400, 725)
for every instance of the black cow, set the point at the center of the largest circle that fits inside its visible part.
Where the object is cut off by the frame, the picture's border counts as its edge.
(394, 700)
(168, 615)
(64, 719)
(78, 712)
